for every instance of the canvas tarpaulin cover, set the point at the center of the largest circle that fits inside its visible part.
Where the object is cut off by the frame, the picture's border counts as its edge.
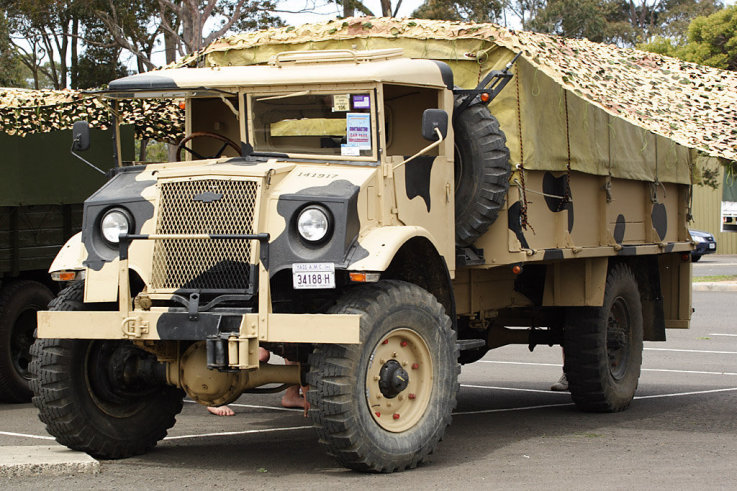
(598, 108)
(26, 112)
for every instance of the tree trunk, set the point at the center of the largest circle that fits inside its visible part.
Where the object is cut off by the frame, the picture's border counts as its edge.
(74, 53)
(348, 9)
(386, 8)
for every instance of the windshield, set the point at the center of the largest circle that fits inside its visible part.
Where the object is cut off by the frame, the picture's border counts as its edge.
(307, 122)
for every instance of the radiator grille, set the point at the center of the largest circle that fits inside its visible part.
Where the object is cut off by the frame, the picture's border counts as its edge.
(206, 206)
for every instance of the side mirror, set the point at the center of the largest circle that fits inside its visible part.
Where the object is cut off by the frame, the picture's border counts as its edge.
(431, 119)
(80, 136)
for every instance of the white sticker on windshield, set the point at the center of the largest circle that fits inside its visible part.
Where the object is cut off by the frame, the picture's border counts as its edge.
(358, 126)
(341, 103)
(349, 151)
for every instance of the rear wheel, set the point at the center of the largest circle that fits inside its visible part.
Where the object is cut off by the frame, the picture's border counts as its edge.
(94, 395)
(603, 346)
(383, 405)
(19, 303)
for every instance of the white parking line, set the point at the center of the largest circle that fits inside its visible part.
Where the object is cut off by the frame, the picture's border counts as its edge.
(678, 394)
(39, 437)
(540, 391)
(228, 433)
(699, 372)
(692, 351)
(253, 406)
(522, 363)
(510, 409)
(720, 334)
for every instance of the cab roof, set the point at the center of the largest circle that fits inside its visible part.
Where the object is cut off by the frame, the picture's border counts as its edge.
(342, 66)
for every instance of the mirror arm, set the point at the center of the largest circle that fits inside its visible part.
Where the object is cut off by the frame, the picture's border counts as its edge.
(85, 161)
(441, 139)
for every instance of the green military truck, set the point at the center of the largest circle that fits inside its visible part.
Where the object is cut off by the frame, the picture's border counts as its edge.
(41, 195)
(359, 213)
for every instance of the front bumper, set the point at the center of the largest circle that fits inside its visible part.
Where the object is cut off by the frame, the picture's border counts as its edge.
(177, 326)
(238, 333)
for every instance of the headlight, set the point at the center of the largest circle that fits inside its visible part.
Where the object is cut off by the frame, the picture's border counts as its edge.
(698, 238)
(313, 224)
(115, 222)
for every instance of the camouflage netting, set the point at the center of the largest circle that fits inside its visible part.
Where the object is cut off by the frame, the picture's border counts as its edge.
(690, 104)
(24, 112)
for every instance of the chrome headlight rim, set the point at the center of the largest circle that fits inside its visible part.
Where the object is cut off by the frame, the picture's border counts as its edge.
(113, 239)
(314, 215)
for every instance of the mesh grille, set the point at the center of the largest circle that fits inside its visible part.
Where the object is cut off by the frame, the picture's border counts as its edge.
(204, 264)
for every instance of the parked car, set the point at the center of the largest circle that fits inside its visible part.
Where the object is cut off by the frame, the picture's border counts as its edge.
(705, 244)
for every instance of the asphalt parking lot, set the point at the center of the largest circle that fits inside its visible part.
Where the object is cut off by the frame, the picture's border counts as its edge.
(508, 431)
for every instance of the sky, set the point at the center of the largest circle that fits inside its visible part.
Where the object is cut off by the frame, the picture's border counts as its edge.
(325, 10)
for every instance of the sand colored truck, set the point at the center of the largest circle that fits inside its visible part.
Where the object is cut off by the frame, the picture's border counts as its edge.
(352, 210)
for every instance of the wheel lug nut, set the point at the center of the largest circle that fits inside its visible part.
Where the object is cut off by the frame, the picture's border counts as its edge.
(381, 361)
(415, 366)
(411, 396)
(394, 355)
(404, 363)
(403, 343)
(395, 415)
(386, 341)
(378, 414)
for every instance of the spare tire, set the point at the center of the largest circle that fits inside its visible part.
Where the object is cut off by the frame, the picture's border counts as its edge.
(481, 172)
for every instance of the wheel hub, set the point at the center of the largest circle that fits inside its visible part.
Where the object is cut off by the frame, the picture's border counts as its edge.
(393, 379)
(399, 380)
(618, 330)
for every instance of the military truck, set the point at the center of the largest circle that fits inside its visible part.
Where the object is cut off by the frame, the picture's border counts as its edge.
(42, 191)
(352, 210)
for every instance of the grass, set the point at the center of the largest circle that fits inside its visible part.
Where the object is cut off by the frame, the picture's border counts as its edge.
(723, 277)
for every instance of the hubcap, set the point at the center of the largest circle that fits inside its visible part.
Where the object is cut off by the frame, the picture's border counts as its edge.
(617, 338)
(399, 380)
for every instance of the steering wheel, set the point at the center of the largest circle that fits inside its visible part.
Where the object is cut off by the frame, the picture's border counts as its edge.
(227, 142)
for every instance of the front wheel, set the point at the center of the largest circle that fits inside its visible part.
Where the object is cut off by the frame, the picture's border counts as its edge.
(603, 346)
(383, 405)
(89, 399)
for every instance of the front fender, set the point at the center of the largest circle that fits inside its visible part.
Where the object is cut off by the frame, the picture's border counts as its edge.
(71, 256)
(377, 249)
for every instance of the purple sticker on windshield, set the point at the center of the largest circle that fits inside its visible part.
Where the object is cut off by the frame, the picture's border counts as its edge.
(361, 101)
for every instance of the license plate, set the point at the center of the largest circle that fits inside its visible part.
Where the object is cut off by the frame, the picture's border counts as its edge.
(307, 276)
(712, 245)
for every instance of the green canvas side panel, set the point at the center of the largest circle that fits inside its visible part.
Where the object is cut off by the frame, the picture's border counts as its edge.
(674, 161)
(39, 168)
(542, 111)
(589, 136)
(632, 151)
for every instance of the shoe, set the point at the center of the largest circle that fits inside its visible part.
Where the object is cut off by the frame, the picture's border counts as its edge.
(561, 385)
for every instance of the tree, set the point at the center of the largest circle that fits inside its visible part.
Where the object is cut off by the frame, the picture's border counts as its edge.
(100, 61)
(463, 10)
(712, 40)
(10, 67)
(624, 22)
(574, 18)
(43, 35)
